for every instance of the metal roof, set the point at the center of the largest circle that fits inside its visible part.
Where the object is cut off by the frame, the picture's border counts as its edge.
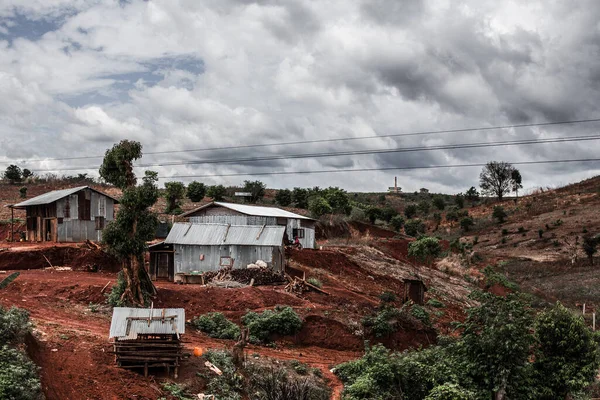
(251, 210)
(168, 326)
(55, 195)
(223, 234)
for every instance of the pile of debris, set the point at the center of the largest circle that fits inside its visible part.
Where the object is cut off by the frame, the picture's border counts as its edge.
(300, 285)
(246, 276)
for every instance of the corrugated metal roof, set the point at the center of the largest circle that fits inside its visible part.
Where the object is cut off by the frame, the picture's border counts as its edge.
(251, 210)
(120, 322)
(223, 234)
(55, 195)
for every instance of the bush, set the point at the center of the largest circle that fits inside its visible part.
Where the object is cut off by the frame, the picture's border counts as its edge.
(300, 197)
(23, 192)
(387, 297)
(540, 233)
(215, 325)
(318, 206)
(114, 297)
(299, 367)
(435, 303)
(216, 192)
(424, 207)
(397, 222)
(315, 282)
(283, 197)
(196, 191)
(414, 227)
(373, 213)
(388, 213)
(438, 202)
(385, 322)
(230, 384)
(425, 248)
(420, 313)
(499, 214)
(18, 376)
(466, 223)
(521, 229)
(357, 215)
(268, 383)
(449, 391)
(410, 211)
(504, 232)
(14, 325)
(280, 321)
(459, 200)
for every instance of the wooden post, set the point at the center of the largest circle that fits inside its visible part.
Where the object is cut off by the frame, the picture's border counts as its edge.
(12, 224)
(593, 321)
(583, 308)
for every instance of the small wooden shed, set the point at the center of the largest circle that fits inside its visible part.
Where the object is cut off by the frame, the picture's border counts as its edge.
(148, 338)
(414, 289)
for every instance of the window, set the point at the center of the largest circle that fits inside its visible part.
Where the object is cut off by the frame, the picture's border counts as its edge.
(99, 223)
(60, 220)
(298, 233)
(226, 261)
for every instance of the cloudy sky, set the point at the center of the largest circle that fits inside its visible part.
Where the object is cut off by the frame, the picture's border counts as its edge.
(77, 76)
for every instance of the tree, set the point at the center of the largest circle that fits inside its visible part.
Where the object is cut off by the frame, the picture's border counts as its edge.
(174, 193)
(256, 190)
(452, 215)
(196, 191)
(437, 218)
(495, 178)
(466, 223)
(423, 207)
(459, 200)
(27, 173)
(472, 194)
(438, 202)
(337, 199)
(23, 192)
(515, 181)
(410, 211)
(284, 197)
(397, 222)
(388, 213)
(567, 357)
(13, 174)
(300, 197)
(590, 247)
(134, 225)
(216, 192)
(414, 227)
(496, 338)
(425, 249)
(499, 214)
(318, 206)
(373, 213)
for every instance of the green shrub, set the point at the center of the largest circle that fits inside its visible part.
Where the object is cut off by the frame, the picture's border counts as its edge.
(438, 202)
(435, 303)
(215, 325)
(114, 297)
(499, 214)
(410, 211)
(420, 313)
(466, 223)
(300, 367)
(449, 391)
(18, 376)
(385, 322)
(425, 248)
(268, 383)
(414, 227)
(176, 391)
(229, 385)
(495, 278)
(318, 206)
(505, 231)
(315, 282)
(14, 325)
(397, 222)
(280, 321)
(387, 297)
(540, 233)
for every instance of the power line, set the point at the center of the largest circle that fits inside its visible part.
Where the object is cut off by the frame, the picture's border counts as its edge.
(377, 169)
(446, 131)
(360, 152)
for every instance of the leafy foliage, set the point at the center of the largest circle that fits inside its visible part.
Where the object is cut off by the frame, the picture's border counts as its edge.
(18, 376)
(230, 384)
(318, 206)
(567, 357)
(425, 248)
(315, 282)
(174, 193)
(449, 391)
(23, 192)
(372, 213)
(424, 207)
(300, 197)
(114, 297)
(414, 227)
(472, 194)
(516, 181)
(196, 191)
(590, 246)
(284, 197)
(281, 321)
(420, 313)
(387, 213)
(216, 192)
(337, 199)
(256, 190)
(268, 383)
(217, 326)
(14, 325)
(499, 214)
(397, 222)
(459, 200)
(117, 166)
(410, 211)
(438, 202)
(387, 297)
(466, 223)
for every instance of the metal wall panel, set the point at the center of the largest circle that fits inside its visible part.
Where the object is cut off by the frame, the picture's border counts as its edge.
(188, 257)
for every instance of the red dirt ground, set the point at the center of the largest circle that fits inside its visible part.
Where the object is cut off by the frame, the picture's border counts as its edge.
(20, 256)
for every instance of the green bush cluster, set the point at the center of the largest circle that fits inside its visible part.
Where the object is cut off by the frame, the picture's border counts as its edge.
(385, 321)
(414, 227)
(502, 348)
(215, 325)
(425, 248)
(114, 297)
(420, 313)
(280, 321)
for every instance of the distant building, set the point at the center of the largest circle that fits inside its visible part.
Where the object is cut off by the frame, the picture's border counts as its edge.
(395, 188)
(242, 214)
(69, 215)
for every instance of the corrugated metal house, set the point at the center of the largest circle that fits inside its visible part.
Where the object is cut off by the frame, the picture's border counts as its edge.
(242, 214)
(68, 215)
(195, 247)
(146, 337)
